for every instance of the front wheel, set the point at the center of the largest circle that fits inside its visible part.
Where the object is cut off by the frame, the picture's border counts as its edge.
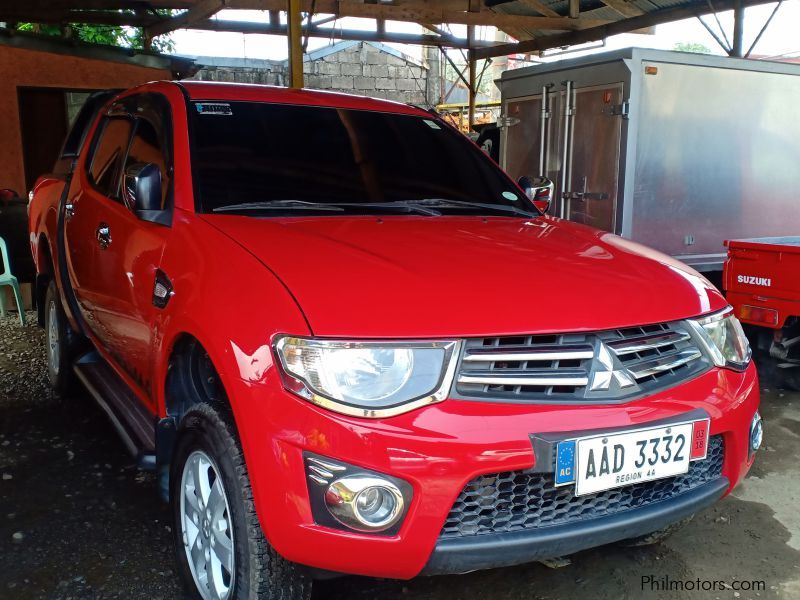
(221, 551)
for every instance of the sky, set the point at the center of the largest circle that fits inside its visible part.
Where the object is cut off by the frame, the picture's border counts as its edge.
(781, 38)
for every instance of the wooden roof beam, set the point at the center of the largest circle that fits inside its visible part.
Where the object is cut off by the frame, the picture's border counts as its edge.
(62, 16)
(200, 11)
(341, 34)
(100, 4)
(428, 13)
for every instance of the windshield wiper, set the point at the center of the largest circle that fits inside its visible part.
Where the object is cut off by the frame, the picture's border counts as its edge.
(424, 206)
(446, 203)
(279, 205)
(329, 206)
(403, 207)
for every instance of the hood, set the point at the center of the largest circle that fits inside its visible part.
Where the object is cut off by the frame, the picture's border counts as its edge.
(410, 276)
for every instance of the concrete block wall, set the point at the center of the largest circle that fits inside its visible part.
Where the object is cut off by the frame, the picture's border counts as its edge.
(358, 68)
(368, 70)
(275, 75)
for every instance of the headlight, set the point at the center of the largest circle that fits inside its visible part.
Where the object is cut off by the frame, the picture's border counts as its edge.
(367, 379)
(724, 339)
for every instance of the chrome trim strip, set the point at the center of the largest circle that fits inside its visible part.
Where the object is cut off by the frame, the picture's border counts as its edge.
(570, 379)
(527, 355)
(324, 464)
(664, 363)
(647, 342)
(317, 480)
(321, 472)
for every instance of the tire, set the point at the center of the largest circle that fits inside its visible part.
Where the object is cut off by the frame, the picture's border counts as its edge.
(790, 378)
(208, 451)
(657, 536)
(58, 341)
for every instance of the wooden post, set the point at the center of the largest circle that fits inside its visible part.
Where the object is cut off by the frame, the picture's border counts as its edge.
(295, 45)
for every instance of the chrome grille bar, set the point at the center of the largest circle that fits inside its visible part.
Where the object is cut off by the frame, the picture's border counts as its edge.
(526, 353)
(541, 377)
(664, 362)
(643, 343)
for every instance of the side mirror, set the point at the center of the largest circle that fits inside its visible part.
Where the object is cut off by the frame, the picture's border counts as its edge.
(539, 190)
(141, 192)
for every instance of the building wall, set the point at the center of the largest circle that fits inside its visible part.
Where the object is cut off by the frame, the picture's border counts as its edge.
(358, 68)
(241, 70)
(367, 70)
(29, 68)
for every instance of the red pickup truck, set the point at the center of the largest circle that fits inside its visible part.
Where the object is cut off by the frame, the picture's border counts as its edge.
(349, 343)
(762, 282)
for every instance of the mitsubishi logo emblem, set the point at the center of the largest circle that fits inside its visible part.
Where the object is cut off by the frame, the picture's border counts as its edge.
(605, 372)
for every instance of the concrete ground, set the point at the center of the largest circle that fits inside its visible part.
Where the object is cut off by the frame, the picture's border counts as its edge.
(77, 520)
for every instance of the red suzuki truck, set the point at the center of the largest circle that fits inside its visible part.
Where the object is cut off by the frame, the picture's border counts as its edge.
(762, 282)
(349, 343)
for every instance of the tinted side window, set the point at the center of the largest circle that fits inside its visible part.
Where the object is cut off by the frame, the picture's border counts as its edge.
(147, 147)
(105, 169)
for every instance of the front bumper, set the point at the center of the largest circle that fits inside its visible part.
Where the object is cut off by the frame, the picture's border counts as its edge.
(439, 449)
(489, 551)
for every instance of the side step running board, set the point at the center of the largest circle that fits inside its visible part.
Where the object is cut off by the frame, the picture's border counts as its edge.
(134, 423)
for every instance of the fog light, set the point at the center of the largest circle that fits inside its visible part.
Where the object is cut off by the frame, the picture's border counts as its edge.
(756, 432)
(364, 503)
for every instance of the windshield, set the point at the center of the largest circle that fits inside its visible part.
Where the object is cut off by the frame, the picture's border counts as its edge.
(276, 159)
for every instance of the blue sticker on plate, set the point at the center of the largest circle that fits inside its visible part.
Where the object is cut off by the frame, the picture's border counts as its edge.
(565, 462)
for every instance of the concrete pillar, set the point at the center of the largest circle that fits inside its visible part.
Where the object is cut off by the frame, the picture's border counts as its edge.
(434, 79)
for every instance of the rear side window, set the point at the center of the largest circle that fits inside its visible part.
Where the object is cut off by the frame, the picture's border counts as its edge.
(105, 168)
(84, 120)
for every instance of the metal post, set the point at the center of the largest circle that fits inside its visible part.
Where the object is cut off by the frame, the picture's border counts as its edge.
(295, 44)
(543, 132)
(566, 158)
(472, 75)
(737, 49)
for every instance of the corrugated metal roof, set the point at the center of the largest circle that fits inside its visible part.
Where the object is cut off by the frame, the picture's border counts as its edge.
(589, 9)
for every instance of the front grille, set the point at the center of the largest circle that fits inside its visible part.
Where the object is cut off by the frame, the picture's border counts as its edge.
(612, 365)
(519, 500)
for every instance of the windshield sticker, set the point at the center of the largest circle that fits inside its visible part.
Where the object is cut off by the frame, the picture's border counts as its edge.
(214, 108)
(510, 196)
(432, 124)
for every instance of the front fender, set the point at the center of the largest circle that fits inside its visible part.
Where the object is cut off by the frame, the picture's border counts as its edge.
(229, 302)
(224, 297)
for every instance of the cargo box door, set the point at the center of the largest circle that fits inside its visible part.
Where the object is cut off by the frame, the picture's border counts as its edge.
(575, 142)
(592, 155)
(520, 148)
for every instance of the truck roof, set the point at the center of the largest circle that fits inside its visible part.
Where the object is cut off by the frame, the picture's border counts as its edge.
(205, 90)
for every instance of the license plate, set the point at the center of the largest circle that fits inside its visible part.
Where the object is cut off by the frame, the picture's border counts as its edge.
(604, 462)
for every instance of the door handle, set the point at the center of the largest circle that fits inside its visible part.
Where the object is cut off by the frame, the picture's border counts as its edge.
(103, 234)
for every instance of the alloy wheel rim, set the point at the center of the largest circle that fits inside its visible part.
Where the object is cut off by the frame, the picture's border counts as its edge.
(52, 336)
(206, 527)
